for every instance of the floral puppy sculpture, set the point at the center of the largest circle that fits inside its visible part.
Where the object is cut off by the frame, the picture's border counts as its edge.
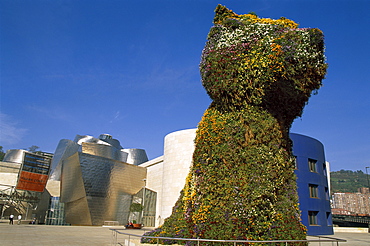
(259, 73)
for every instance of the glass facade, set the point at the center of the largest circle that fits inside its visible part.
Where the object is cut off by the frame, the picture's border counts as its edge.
(22, 192)
(148, 200)
(36, 164)
(55, 214)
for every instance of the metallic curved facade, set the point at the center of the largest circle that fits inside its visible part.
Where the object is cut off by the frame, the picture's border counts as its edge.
(14, 155)
(97, 189)
(99, 179)
(105, 146)
(102, 150)
(79, 139)
(135, 156)
(65, 149)
(109, 139)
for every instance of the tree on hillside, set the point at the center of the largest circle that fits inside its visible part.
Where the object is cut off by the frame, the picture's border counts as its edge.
(347, 181)
(2, 154)
(33, 148)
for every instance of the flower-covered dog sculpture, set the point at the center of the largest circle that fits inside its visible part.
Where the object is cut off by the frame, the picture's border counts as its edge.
(259, 73)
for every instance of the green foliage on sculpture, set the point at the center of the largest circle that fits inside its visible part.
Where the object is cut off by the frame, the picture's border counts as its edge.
(262, 62)
(259, 73)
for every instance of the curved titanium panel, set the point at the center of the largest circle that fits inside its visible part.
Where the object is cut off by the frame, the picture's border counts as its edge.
(88, 139)
(103, 151)
(135, 156)
(108, 138)
(99, 188)
(72, 185)
(14, 155)
(65, 149)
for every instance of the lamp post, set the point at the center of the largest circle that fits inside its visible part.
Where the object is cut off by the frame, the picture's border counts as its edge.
(367, 176)
(142, 212)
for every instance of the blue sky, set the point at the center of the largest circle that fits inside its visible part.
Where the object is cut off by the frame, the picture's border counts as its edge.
(130, 69)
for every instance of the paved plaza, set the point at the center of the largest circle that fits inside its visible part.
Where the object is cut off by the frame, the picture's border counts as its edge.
(26, 234)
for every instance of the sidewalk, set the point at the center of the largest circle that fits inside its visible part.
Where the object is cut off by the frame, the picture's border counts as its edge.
(30, 235)
(44, 235)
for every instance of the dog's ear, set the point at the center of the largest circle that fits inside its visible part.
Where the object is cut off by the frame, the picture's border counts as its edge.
(222, 14)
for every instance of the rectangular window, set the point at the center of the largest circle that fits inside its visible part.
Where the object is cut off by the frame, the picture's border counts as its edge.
(312, 217)
(324, 169)
(312, 165)
(314, 190)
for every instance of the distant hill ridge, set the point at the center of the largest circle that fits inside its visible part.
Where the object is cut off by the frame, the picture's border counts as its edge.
(347, 181)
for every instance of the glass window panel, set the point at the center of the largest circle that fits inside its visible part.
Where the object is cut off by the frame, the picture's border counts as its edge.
(312, 217)
(312, 165)
(313, 190)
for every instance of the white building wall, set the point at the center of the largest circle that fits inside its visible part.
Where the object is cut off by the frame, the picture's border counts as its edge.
(178, 153)
(154, 177)
(7, 180)
(167, 174)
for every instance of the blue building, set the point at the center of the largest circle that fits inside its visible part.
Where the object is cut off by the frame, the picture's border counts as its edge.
(312, 182)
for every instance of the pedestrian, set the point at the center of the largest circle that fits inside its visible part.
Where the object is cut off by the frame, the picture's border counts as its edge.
(19, 219)
(11, 217)
(33, 221)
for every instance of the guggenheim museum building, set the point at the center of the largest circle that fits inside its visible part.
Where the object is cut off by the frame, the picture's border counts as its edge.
(95, 181)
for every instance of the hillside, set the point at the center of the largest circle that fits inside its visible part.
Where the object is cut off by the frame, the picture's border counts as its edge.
(347, 181)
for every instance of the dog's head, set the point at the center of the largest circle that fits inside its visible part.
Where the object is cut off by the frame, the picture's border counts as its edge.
(263, 62)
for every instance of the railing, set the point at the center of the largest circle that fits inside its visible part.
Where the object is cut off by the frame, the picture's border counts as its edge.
(343, 218)
(127, 242)
(148, 220)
